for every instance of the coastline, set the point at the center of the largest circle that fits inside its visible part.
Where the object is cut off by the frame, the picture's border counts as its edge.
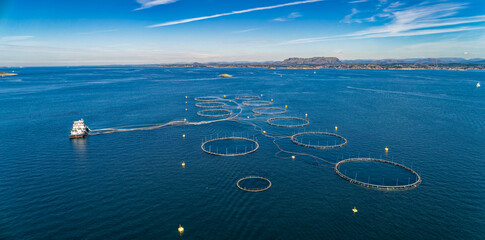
(408, 67)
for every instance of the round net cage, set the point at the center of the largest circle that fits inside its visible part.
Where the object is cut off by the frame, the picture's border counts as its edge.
(288, 122)
(377, 174)
(253, 184)
(319, 140)
(230, 146)
(256, 103)
(207, 99)
(269, 111)
(247, 98)
(214, 113)
(208, 104)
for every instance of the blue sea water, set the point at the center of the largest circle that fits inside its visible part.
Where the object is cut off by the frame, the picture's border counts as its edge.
(130, 185)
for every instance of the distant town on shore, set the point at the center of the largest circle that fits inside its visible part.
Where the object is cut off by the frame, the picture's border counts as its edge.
(458, 64)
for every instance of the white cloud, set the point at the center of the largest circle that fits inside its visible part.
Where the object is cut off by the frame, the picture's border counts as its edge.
(231, 13)
(420, 19)
(14, 38)
(151, 3)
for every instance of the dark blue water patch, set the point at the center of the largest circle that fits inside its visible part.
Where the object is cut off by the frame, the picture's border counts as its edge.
(132, 184)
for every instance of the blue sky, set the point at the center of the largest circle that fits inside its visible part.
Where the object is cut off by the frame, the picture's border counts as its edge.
(96, 32)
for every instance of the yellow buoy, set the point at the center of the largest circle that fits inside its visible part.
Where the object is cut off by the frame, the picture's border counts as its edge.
(306, 114)
(183, 164)
(386, 149)
(271, 99)
(336, 128)
(261, 94)
(185, 102)
(292, 157)
(185, 96)
(264, 131)
(248, 116)
(183, 135)
(224, 95)
(355, 210)
(186, 109)
(185, 119)
(286, 106)
(181, 229)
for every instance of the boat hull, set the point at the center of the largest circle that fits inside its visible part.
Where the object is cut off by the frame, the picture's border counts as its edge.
(76, 136)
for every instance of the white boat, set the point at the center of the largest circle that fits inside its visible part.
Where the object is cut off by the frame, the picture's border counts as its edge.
(79, 129)
(478, 84)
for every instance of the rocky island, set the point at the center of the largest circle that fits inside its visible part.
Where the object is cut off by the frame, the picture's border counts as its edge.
(4, 74)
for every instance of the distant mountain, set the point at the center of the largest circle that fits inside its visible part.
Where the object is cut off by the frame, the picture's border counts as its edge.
(310, 61)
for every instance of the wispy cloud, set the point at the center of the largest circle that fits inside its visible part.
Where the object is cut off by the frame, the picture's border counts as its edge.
(232, 13)
(358, 1)
(349, 18)
(421, 19)
(246, 30)
(291, 16)
(14, 38)
(151, 3)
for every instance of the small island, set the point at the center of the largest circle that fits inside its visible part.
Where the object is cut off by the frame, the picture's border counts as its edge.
(225, 75)
(4, 74)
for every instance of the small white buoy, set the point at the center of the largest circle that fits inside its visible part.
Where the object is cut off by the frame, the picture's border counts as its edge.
(306, 114)
(181, 229)
(183, 135)
(478, 84)
(185, 96)
(336, 128)
(186, 109)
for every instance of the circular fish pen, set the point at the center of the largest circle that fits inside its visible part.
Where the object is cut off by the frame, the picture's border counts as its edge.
(299, 141)
(207, 104)
(257, 103)
(247, 98)
(207, 99)
(385, 187)
(287, 122)
(262, 184)
(269, 111)
(222, 149)
(214, 113)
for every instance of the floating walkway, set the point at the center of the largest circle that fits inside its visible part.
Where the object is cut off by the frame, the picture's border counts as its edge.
(295, 140)
(378, 186)
(253, 189)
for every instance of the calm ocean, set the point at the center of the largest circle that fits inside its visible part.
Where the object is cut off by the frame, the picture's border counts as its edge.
(130, 185)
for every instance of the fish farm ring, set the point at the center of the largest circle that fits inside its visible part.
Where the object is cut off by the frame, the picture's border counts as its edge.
(304, 122)
(205, 113)
(253, 189)
(256, 103)
(247, 98)
(206, 99)
(229, 154)
(261, 111)
(295, 141)
(378, 186)
(207, 104)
